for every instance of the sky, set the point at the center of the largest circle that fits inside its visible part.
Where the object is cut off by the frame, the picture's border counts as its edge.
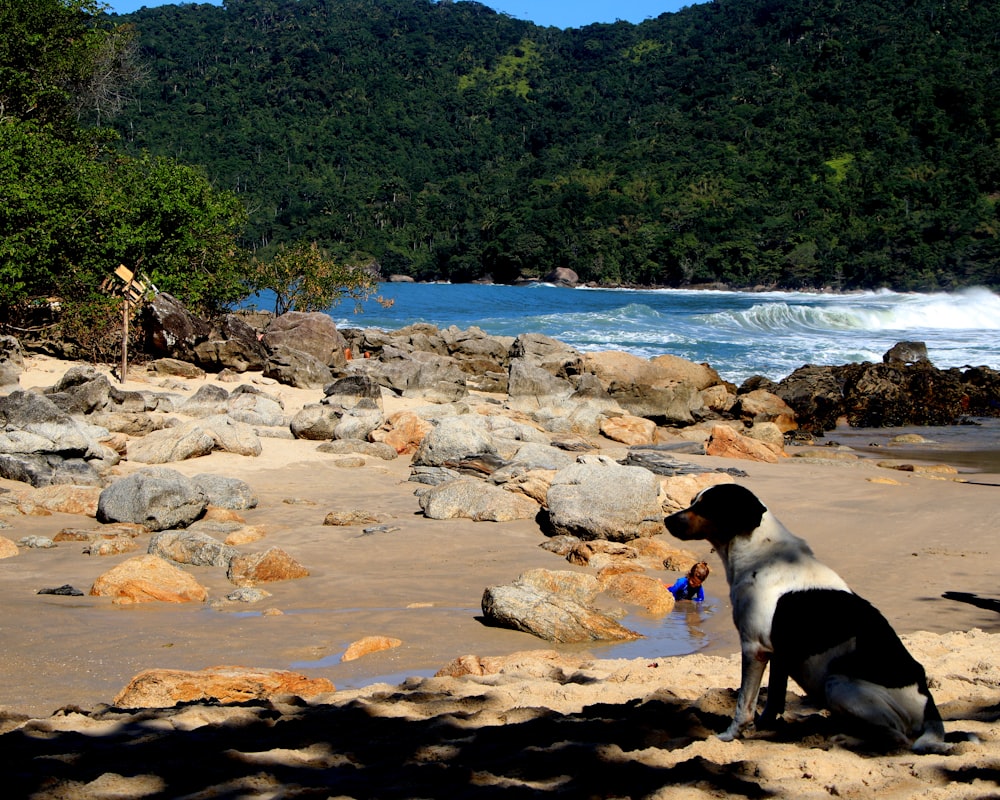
(558, 13)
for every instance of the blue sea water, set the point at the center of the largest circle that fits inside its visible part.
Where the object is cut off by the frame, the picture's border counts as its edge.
(739, 333)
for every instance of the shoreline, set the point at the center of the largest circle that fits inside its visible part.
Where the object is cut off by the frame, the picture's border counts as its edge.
(544, 716)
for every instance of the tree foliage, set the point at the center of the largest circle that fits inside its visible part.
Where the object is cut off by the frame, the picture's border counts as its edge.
(73, 206)
(303, 277)
(849, 143)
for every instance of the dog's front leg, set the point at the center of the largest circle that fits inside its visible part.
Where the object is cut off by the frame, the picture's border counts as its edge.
(754, 661)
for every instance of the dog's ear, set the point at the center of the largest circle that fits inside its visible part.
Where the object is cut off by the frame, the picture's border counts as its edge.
(730, 507)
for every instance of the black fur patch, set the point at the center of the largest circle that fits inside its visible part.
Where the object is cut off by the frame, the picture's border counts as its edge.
(810, 622)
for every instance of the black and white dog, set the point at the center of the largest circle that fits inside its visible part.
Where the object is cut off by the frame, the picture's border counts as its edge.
(798, 613)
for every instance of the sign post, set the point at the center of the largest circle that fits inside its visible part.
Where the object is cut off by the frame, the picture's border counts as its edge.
(132, 292)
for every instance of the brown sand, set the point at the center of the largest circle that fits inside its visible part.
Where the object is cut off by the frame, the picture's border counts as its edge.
(576, 722)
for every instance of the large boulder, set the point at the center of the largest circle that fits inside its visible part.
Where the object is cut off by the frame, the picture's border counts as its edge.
(157, 497)
(42, 445)
(472, 499)
(562, 276)
(226, 492)
(231, 344)
(297, 368)
(311, 332)
(148, 578)
(168, 445)
(191, 547)
(605, 500)
(816, 395)
(554, 606)
(171, 329)
(454, 438)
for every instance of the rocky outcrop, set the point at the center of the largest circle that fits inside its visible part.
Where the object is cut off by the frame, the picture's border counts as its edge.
(42, 445)
(148, 578)
(555, 606)
(604, 500)
(166, 688)
(157, 497)
(11, 363)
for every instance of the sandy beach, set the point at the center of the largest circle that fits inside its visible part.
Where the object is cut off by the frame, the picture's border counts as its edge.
(630, 720)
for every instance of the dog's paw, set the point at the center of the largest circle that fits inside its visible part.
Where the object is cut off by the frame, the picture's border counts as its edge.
(732, 732)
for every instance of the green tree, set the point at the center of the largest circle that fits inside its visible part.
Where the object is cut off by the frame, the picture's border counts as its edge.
(305, 278)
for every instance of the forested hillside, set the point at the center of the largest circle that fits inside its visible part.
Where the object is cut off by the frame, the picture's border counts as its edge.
(801, 143)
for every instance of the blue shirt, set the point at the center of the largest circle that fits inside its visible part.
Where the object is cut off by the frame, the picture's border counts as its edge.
(682, 590)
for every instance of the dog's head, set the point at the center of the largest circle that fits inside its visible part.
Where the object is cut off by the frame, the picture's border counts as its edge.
(718, 514)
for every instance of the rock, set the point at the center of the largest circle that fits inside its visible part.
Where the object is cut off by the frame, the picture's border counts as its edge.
(208, 401)
(454, 438)
(907, 353)
(36, 542)
(371, 449)
(231, 493)
(171, 444)
(30, 423)
(629, 430)
(250, 405)
(727, 443)
(358, 422)
(769, 433)
(66, 590)
(11, 363)
(403, 431)
(348, 392)
(544, 664)
(562, 276)
(678, 491)
(176, 368)
(133, 423)
(313, 333)
(761, 405)
(105, 532)
(296, 368)
(368, 645)
(553, 606)
(816, 396)
(247, 594)
(246, 535)
(231, 435)
(605, 501)
(639, 590)
(81, 390)
(354, 516)
(475, 500)
(113, 546)
(62, 498)
(551, 355)
(315, 422)
(157, 497)
(171, 329)
(166, 688)
(148, 578)
(48, 470)
(531, 386)
(232, 344)
(271, 565)
(191, 547)
(8, 548)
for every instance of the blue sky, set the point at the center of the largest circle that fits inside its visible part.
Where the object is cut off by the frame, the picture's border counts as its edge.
(559, 13)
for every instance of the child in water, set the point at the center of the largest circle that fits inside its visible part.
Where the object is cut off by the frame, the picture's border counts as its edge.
(690, 587)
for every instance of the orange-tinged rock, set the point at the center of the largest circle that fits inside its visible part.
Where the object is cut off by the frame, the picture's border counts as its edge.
(163, 688)
(727, 443)
(639, 590)
(367, 645)
(272, 565)
(146, 579)
(629, 430)
(403, 431)
(7, 548)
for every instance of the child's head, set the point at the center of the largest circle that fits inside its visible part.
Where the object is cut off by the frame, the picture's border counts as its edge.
(698, 573)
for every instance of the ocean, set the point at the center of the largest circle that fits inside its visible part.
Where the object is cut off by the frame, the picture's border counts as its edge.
(739, 333)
